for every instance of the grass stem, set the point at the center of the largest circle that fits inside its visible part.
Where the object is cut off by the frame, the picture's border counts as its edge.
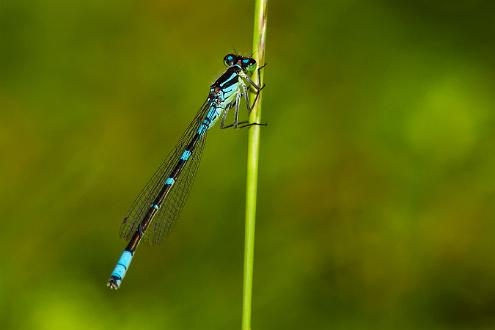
(259, 37)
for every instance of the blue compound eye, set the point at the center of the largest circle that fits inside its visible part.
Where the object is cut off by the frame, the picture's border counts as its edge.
(229, 59)
(248, 64)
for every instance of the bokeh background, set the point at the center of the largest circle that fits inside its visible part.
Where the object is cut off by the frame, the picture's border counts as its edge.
(377, 183)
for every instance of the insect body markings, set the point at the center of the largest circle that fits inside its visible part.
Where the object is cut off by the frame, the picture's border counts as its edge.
(158, 206)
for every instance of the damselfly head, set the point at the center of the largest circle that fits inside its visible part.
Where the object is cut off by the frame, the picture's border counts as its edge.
(246, 63)
(229, 59)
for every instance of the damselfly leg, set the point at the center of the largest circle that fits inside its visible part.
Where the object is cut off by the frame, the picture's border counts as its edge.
(244, 91)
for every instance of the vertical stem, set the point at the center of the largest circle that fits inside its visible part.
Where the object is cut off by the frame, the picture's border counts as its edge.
(252, 164)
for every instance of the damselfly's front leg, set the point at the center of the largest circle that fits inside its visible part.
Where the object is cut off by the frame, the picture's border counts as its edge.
(257, 88)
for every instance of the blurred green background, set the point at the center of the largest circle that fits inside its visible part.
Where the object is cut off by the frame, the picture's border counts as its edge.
(377, 183)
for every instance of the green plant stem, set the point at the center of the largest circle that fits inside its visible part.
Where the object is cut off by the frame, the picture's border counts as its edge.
(252, 165)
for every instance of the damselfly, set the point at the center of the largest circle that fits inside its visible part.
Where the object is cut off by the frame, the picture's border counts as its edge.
(156, 209)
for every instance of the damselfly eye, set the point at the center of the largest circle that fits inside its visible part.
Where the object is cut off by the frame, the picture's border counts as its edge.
(248, 64)
(229, 59)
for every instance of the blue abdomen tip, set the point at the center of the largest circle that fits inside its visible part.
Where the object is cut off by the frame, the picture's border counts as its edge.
(122, 265)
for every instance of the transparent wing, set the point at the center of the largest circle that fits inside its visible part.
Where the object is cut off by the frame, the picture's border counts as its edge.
(169, 211)
(172, 206)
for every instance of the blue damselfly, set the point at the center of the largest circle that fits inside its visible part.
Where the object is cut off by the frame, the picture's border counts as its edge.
(157, 207)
